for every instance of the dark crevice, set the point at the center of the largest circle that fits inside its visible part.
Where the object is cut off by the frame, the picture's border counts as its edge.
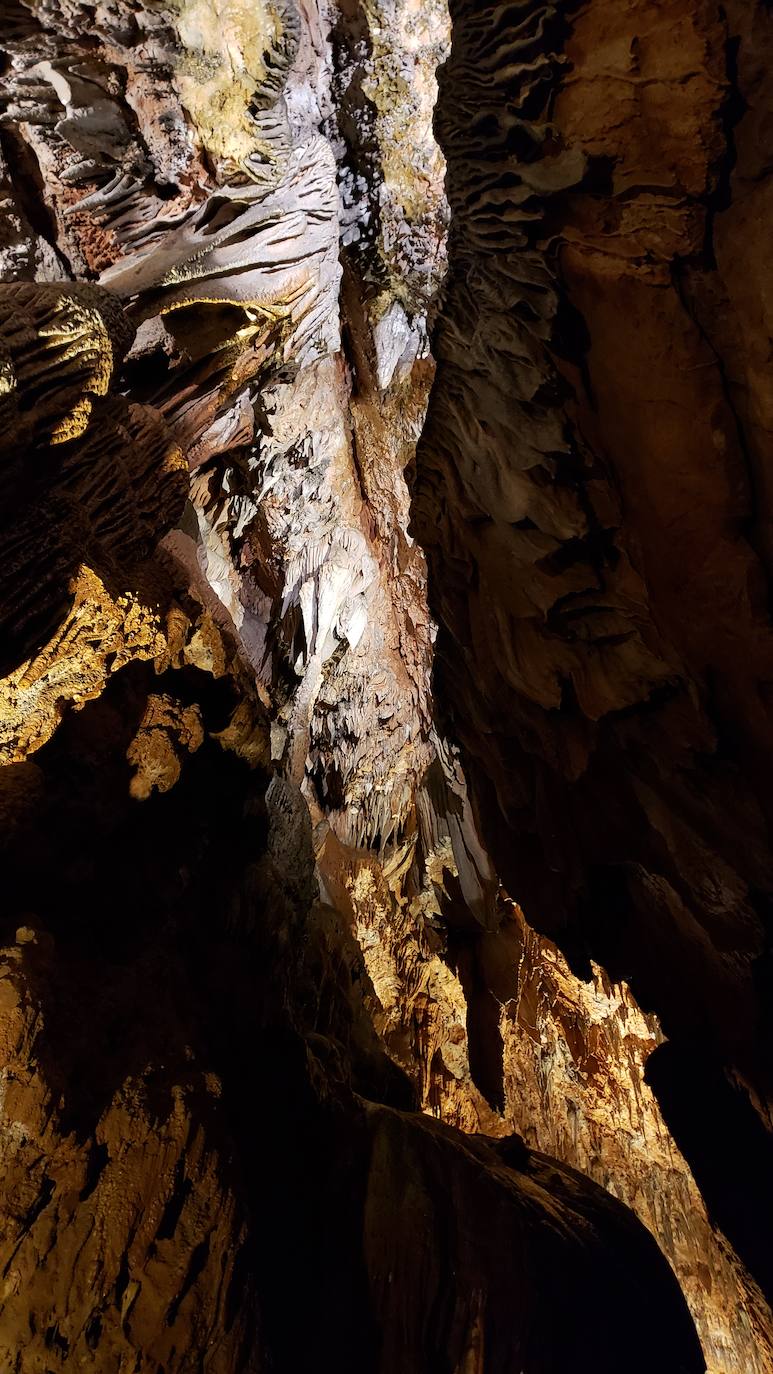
(750, 527)
(731, 113)
(45, 1194)
(718, 1130)
(98, 1158)
(29, 190)
(196, 1265)
(181, 1191)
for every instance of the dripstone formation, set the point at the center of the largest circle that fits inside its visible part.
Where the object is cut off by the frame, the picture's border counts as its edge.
(596, 530)
(383, 688)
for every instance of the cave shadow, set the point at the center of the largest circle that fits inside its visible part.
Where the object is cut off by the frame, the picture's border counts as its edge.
(157, 955)
(728, 1149)
(121, 889)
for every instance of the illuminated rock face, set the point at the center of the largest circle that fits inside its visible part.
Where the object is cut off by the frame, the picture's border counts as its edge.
(591, 495)
(288, 1080)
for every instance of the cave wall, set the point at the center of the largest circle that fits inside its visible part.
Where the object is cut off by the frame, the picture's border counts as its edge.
(590, 490)
(254, 941)
(202, 1136)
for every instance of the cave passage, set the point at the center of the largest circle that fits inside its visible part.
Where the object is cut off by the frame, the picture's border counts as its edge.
(385, 687)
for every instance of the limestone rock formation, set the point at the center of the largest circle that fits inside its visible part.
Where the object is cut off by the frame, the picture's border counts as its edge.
(589, 491)
(289, 1082)
(149, 1010)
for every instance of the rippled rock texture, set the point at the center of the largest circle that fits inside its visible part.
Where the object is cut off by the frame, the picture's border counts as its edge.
(200, 1127)
(288, 1079)
(591, 493)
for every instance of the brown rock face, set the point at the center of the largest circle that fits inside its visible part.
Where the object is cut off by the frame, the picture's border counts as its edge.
(199, 1125)
(590, 493)
(288, 1082)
